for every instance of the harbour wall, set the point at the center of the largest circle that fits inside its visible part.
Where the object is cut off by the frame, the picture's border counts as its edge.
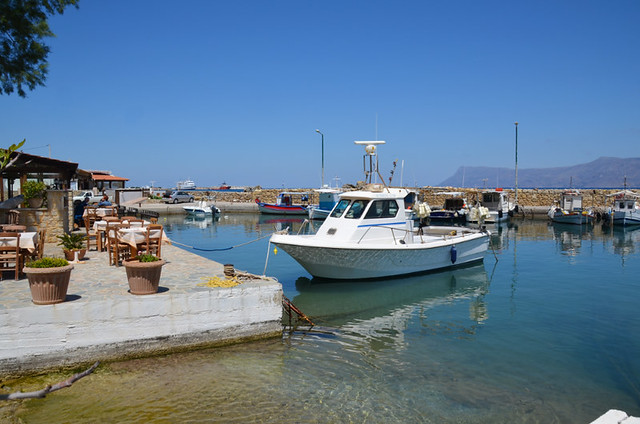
(526, 197)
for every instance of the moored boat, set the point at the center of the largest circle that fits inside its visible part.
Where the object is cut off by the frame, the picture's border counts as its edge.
(286, 204)
(369, 234)
(328, 197)
(493, 206)
(570, 210)
(201, 208)
(624, 210)
(453, 210)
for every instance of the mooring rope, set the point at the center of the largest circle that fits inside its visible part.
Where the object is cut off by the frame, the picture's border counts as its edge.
(220, 249)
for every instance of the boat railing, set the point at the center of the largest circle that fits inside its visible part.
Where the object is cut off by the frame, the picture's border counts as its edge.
(434, 233)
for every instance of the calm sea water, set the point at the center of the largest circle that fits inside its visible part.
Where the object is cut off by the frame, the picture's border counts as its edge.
(546, 330)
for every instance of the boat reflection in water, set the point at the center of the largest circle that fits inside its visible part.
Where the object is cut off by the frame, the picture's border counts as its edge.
(296, 225)
(201, 221)
(569, 237)
(624, 240)
(380, 311)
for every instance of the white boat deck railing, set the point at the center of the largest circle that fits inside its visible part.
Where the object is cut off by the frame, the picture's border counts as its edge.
(432, 234)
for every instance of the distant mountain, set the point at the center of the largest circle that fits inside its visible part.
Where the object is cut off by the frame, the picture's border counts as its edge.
(604, 172)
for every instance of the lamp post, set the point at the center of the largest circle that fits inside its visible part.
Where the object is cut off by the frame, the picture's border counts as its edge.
(516, 124)
(319, 132)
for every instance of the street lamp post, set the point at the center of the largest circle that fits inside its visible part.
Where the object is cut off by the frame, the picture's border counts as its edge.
(516, 124)
(319, 132)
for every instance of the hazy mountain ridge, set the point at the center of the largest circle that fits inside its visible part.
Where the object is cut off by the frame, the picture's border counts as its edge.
(604, 172)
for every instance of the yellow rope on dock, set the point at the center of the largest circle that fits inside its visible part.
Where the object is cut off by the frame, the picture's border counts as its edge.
(219, 282)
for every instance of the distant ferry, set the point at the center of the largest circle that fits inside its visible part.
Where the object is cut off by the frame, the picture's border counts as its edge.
(186, 185)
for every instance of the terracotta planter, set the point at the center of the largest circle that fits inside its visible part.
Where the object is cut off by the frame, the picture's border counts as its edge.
(48, 285)
(143, 277)
(35, 202)
(70, 254)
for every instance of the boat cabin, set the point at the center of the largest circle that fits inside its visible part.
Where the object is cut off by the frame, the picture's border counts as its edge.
(287, 198)
(572, 201)
(495, 200)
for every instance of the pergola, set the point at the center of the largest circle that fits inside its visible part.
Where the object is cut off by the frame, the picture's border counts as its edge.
(31, 166)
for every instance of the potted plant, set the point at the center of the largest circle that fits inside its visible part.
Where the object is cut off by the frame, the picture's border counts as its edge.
(48, 280)
(72, 243)
(143, 273)
(34, 192)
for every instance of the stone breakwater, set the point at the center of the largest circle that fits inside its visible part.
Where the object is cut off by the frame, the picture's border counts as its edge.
(526, 197)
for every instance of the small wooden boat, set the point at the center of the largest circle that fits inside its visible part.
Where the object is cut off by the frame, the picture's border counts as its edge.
(287, 203)
(570, 210)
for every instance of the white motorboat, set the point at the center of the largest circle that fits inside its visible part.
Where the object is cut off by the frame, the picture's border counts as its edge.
(624, 210)
(495, 202)
(201, 208)
(570, 210)
(369, 234)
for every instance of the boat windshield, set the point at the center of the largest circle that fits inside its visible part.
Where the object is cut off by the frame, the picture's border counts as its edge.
(356, 209)
(340, 208)
(382, 209)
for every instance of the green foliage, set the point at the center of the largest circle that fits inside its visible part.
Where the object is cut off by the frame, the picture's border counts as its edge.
(5, 154)
(147, 258)
(23, 54)
(72, 241)
(47, 263)
(31, 189)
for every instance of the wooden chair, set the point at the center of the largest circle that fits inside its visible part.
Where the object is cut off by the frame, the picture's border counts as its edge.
(152, 246)
(92, 234)
(10, 257)
(111, 218)
(118, 251)
(39, 252)
(135, 222)
(128, 217)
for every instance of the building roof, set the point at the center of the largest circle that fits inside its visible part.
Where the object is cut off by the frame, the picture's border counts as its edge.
(33, 165)
(103, 177)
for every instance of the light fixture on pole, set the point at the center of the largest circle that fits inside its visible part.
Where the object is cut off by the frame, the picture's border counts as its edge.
(516, 123)
(320, 132)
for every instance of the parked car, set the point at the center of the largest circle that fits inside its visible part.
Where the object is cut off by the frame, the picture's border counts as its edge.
(93, 198)
(178, 197)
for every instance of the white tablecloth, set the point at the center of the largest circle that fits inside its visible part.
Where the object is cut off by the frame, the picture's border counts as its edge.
(101, 212)
(135, 236)
(28, 241)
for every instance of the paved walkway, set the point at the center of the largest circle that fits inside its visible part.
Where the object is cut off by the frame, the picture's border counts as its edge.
(94, 279)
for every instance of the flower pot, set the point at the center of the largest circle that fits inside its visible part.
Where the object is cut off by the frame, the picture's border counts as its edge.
(35, 202)
(70, 255)
(48, 285)
(143, 277)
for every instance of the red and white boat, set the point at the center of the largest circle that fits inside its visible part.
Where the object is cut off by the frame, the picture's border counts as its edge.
(287, 203)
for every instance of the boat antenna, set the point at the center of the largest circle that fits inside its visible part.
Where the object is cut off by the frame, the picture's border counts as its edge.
(371, 153)
(516, 123)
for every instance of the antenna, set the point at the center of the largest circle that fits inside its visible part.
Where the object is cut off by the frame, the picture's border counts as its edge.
(371, 152)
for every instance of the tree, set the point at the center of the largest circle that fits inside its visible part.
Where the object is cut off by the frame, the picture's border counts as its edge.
(23, 54)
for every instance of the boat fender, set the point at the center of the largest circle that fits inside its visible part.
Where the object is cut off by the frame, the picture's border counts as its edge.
(500, 213)
(454, 254)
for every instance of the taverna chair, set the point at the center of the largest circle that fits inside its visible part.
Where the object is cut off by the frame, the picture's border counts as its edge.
(10, 257)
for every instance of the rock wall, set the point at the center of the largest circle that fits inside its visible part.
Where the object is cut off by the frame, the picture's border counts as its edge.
(526, 197)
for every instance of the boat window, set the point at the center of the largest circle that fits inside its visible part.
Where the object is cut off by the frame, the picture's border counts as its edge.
(382, 209)
(621, 205)
(339, 209)
(356, 209)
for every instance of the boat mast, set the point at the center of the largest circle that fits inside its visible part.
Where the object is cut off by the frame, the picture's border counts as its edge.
(516, 123)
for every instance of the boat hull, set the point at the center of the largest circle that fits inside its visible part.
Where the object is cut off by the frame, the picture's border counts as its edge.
(626, 218)
(282, 210)
(317, 213)
(359, 261)
(574, 218)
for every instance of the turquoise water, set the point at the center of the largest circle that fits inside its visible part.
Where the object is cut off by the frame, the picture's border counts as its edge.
(546, 330)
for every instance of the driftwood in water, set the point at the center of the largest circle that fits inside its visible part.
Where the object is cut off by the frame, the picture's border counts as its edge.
(42, 393)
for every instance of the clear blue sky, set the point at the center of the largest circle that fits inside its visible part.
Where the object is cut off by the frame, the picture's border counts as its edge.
(234, 90)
